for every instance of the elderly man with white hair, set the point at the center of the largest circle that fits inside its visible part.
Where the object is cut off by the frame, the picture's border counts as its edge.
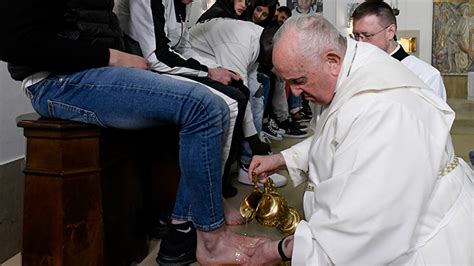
(384, 185)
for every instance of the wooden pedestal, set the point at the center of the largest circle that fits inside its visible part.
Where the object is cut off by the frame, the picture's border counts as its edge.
(90, 192)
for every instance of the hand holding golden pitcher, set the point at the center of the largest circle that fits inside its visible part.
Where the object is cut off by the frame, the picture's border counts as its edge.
(269, 208)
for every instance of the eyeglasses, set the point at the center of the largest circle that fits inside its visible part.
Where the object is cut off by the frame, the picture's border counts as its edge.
(359, 36)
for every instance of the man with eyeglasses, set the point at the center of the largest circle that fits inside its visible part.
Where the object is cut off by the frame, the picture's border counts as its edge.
(375, 23)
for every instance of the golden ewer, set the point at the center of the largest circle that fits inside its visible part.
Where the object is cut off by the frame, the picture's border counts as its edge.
(269, 208)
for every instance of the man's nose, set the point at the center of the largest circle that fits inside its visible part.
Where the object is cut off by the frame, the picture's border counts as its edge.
(296, 90)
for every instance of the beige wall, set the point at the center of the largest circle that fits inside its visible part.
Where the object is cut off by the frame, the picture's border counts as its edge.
(456, 86)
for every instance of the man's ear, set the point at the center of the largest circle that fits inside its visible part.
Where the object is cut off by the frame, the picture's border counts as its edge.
(392, 30)
(334, 62)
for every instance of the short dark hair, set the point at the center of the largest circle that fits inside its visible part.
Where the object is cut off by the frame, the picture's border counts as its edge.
(266, 47)
(271, 4)
(378, 8)
(285, 9)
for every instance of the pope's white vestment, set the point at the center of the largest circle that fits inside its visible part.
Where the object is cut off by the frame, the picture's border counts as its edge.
(375, 195)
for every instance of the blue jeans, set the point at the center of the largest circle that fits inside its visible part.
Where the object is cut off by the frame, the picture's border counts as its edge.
(257, 105)
(265, 81)
(294, 102)
(129, 98)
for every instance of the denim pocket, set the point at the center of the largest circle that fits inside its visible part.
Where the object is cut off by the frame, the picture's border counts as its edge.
(70, 112)
(29, 94)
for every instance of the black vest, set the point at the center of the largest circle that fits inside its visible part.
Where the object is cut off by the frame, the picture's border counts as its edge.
(87, 21)
(93, 22)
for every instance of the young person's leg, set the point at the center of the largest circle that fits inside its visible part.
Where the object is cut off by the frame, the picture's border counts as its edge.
(241, 97)
(280, 101)
(129, 98)
(253, 145)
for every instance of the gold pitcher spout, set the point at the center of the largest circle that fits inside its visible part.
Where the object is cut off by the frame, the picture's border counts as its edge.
(248, 207)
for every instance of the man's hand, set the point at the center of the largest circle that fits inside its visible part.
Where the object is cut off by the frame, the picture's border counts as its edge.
(266, 253)
(119, 58)
(222, 75)
(264, 166)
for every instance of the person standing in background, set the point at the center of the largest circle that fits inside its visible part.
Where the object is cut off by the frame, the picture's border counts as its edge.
(375, 23)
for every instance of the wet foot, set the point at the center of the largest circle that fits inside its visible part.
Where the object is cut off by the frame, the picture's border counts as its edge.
(222, 246)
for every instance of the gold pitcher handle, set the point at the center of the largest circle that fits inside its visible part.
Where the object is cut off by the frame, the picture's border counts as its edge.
(255, 180)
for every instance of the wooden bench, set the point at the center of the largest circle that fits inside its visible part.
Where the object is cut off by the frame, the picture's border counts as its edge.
(91, 192)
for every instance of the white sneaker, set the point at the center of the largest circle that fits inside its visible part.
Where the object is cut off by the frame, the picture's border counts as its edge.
(278, 180)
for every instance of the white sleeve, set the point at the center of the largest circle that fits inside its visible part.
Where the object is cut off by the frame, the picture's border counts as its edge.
(435, 82)
(153, 25)
(296, 159)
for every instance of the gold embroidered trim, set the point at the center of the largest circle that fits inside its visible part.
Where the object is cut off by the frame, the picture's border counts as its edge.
(450, 167)
(309, 187)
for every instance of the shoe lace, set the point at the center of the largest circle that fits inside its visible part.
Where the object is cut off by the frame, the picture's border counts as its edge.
(264, 138)
(272, 124)
(271, 129)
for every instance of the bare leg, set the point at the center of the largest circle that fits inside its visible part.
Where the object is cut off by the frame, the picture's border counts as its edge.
(232, 215)
(222, 246)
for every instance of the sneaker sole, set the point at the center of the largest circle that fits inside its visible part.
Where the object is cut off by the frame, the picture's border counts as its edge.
(271, 136)
(165, 261)
(296, 136)
(279, 131)
(302, 120)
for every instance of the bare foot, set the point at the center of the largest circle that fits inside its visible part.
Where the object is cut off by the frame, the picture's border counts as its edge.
(232, 215)
(222, 246)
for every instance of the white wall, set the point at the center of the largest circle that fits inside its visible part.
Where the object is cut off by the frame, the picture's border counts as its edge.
(414, 15)
(418, 15)
(12, 103)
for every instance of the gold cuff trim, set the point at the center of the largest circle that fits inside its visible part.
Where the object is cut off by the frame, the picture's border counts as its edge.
(309, 187)
(450, 167)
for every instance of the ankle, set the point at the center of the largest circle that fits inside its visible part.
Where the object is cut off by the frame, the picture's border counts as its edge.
(208, 240)
(177, 222)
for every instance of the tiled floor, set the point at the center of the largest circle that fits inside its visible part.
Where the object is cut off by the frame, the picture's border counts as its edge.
(14, 261)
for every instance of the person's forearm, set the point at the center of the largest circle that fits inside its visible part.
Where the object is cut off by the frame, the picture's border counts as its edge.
(118, 58)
